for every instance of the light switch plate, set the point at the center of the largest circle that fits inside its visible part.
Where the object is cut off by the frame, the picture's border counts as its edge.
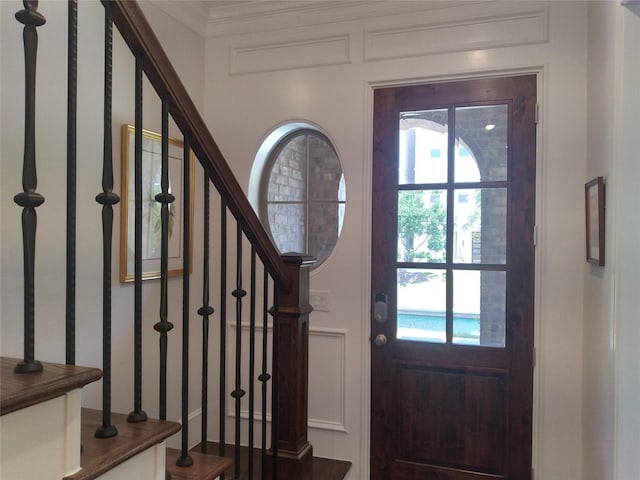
(319, 300)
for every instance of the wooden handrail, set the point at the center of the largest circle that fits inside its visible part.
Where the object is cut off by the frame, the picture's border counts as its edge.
(139, 36)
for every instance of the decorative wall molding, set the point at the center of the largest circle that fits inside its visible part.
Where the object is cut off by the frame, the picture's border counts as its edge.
(311, 52)
(335, 420)
(332, 379)
(508, 30)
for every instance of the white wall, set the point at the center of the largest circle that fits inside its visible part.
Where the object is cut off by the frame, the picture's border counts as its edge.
(599, 329)
(627, 238)
(186, 51)
(611, 383)
(323, 71)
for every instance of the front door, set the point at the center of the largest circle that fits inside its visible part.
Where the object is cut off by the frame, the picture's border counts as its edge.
(453, 280)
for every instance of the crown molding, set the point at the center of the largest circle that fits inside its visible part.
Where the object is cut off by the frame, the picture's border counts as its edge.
(251, 16)
(218, 18)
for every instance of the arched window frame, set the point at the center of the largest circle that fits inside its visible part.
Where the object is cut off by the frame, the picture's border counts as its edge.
(272, 157)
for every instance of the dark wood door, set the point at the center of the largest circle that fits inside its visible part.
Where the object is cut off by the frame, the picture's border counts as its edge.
(453, 280)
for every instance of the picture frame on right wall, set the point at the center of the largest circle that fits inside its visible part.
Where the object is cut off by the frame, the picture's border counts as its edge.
(594, 192)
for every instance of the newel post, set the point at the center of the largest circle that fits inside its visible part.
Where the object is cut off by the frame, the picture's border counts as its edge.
(294, 452)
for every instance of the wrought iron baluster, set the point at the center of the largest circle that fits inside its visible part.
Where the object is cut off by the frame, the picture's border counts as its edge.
(275, 361)
(264, 376)
(29, 199)
(165, 198)
(238, 392)
(184, 460)
(72, 108)
(252, 357)
(205, 311)
(223, 329)
(137, 414)
(107, 199)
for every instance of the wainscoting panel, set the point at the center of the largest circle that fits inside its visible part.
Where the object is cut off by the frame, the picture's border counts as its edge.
(327, 376)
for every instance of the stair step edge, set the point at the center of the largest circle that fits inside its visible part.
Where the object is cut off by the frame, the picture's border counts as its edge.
(99, 455)
(18, 391)
(205, 466)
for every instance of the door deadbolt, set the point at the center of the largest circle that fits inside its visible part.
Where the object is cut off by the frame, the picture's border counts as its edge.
(380, 310)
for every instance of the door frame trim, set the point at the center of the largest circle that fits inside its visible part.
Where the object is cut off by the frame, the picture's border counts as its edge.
(367, 175)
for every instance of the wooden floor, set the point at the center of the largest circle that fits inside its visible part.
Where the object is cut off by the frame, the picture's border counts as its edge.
(323, 468)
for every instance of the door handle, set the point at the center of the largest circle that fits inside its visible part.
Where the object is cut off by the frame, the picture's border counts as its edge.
(380, 340)
(380, 310)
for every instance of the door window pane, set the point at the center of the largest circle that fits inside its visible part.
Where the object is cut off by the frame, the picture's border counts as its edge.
(422, 220)
(421, 305)
(479, 299)
(480, 225)
(481, 143)
(423, 147)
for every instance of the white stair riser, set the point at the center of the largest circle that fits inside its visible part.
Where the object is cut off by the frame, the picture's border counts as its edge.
(147, 465)
(41, 441)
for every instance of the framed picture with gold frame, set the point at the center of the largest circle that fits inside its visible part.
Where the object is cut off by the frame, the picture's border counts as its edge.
(594, 192)
(151, 220)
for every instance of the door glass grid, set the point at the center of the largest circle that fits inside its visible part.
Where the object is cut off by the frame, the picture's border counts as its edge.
(462, 230)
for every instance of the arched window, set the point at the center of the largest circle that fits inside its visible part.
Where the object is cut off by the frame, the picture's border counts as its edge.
(302, 194)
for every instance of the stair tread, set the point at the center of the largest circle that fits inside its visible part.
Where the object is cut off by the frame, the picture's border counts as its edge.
(18, 391)
(205, 466)
(100, 455)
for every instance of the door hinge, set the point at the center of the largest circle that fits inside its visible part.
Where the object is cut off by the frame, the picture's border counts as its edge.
(537, 114)
(533, 359)
(535, 235)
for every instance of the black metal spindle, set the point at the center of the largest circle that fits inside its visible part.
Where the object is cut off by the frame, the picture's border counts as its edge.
(264, 376)
(72, 108)
(107, 199)
(274, 386)
(137, 414)
(252, 357)
(205, 311)
(223, 329)
(238, 392)
(28, 199)
(165, 198)
(184, 460)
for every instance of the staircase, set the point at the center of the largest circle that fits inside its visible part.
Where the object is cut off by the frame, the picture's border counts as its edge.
(47, 435)
(253, 318)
